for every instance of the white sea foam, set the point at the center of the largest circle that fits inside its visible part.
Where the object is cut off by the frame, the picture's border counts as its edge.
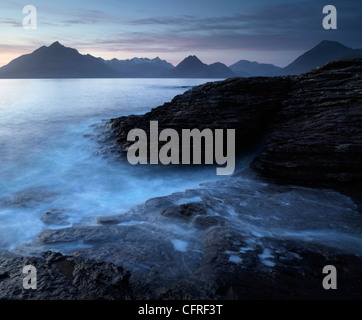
(235, 259)
(179, 245)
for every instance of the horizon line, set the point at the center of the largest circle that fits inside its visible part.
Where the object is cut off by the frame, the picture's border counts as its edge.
(145, 57)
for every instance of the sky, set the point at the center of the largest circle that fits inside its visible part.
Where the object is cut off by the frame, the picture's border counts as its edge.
(226, 31)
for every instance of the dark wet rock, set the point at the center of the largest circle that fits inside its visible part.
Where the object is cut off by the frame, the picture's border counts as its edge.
(86, 234)
(316, 137)
(63, 278)
(312, 121)
(155, 203)
(206, 222)
(55, 217)
(78, 278)
(27, 198)
(114, 219)
(185, 211)
(192, 208)
(171, 212)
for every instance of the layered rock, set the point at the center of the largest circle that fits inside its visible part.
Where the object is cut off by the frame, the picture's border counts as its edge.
(317, 137)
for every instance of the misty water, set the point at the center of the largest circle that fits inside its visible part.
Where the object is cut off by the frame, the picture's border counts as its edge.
(50, 161)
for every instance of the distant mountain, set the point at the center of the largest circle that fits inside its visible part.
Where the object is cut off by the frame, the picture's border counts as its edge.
(192, 67)
(245, 68)
(56, 61)
(140, 67)
(324, 52)
(220, 70)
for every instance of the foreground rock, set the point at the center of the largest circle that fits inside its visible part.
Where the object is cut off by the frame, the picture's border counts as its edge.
(238, 238)
(62, 278)
(75, 278)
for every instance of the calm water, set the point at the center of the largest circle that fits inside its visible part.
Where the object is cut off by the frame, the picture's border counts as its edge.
(47, 162)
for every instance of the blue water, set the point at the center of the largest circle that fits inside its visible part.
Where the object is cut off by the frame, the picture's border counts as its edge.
(48, 162)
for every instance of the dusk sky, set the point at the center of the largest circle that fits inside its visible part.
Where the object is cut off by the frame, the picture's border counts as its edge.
(226, 31)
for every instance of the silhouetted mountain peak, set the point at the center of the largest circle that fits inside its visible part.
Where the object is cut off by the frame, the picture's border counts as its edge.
(191, 61)
(56, 49)
(59, 61)
(60, 52)
(245, 68)
(140, 67)
(56, 44)
(192, 57)
(193, 67)
(327, 44)
(56, 61)
(324, 52)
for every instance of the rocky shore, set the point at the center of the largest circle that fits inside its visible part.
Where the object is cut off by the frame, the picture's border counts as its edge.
(260, 234)
(312, 122)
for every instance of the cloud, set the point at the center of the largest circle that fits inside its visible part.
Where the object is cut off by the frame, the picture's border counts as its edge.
(278, 26)
(90, 16)
(266, 27)
(11, 23)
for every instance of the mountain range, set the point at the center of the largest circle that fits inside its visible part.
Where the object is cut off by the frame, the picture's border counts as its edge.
(192, 67)
(245, 68)
(58, 61)
(324, 52)
(139, 67)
